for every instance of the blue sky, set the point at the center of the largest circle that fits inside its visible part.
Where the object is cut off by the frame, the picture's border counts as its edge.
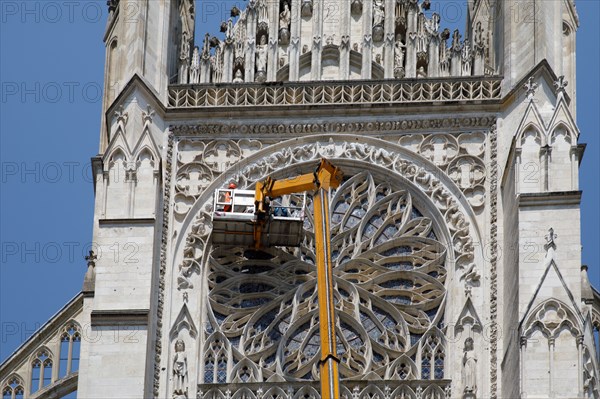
(51, 65)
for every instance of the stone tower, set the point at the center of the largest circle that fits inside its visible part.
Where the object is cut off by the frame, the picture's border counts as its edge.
(456, 234)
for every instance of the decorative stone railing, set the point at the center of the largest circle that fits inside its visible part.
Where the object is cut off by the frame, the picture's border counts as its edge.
(336, 93)
(417, 389)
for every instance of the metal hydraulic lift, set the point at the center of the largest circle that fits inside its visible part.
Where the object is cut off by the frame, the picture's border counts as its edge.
(254, 218)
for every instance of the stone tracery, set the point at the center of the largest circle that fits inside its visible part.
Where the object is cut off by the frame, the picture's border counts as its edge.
(282, 24)
(389, 272)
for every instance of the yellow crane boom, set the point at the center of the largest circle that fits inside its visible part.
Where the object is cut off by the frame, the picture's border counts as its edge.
(325, 177)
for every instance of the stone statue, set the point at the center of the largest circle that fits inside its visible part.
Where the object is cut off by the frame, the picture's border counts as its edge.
(378, 13)
(229, 31)
(261, 55)
(185, 46)
(180, 369)
(479, 41)
(433, 25)
(184, 59)
(469, 372)
(399, 54)
(206, 46)
(456, 40)
(285, 18)
(195, 67)
(422, 36)
(239, 78)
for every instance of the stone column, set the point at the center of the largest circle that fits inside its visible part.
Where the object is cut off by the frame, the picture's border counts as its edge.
(205, 70)
(433, 66)
(367, 52)
(317, 40)
(523, 346)
(345, 40)
(574, 152)
(544, 165)
(390, 38)
(580, 339)
(227, 63)
(455, 62)
(411, 45)
(273, 60)
(551, 345)
(250, 44)
(294, 47)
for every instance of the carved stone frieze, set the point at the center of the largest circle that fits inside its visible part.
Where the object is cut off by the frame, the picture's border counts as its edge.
(331, 93)
(493, 206)
(440, 389)
(163, 266)
(391, 126)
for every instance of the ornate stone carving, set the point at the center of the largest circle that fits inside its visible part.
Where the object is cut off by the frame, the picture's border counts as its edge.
(163, 265)
(550, 237)
(384, 92)
(422, 38)
(348, 390)
(493, 206)
(195, 172)
(285, 19)
(469, 370)
(180, 371)
(387, 258)
(356, 7)
(530, 87)
(306, 9)
(261, 59)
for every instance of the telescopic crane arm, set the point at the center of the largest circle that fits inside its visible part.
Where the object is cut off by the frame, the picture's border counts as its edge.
(325, 177)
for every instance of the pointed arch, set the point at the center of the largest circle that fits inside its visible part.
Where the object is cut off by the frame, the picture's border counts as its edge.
(468, 316)
(183, 321)
(217, 359)
(371, 391)
(275, 392)
(41, 363)
(307, 392)
(433, 391)
(548, 340)
(113, 70)
(403, 368)
(559, 127)
(404, 392)
(245, 371)
(69, 349)
(13, 387)
(243, 393)
(530, 130)
(431, 355)
(550, 317)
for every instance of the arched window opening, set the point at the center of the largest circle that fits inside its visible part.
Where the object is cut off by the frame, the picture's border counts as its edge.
(596, 330)
(41, 371)
(439, 365)
(209, 370)
(70, 342)
(222, 369)
(63, 360)
(13, 389)
(426, 366)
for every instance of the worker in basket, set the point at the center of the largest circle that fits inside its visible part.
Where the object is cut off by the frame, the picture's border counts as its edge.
(229, 197)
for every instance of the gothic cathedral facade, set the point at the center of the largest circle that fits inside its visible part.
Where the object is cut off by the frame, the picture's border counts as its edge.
(455, 235)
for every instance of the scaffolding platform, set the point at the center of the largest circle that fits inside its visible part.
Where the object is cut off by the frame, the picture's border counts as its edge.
(234, 219)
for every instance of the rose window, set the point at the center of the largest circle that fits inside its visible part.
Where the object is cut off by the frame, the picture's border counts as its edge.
(389, 274)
